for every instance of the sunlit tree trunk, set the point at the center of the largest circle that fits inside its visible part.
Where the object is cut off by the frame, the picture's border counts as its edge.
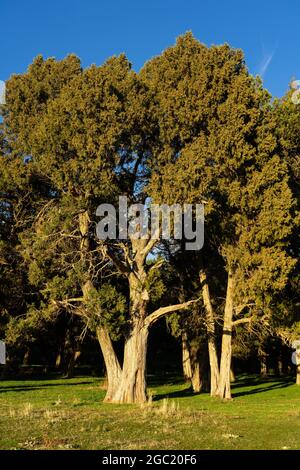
(224, 384)
(132, 384)
(298, 375)
(298, 367)
(212, 347)
(132, 387)
(112, 365)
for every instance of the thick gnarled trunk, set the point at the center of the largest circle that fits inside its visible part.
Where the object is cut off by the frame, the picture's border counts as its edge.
(113, 369)
(132, 386)
(224, 384)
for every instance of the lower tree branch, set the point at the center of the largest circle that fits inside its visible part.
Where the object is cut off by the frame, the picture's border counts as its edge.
(160, 312)
(241, 321)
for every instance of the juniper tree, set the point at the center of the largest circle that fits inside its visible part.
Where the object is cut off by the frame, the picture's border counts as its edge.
(287, 115)
(218, 146)
(89, 135)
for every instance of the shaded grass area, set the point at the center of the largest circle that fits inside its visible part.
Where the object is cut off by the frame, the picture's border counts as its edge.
(69, 414)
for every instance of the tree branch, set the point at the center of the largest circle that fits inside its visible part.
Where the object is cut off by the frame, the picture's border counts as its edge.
(151, 243)
(120, 265)
(156, 265)
(241, 321)
(154, 316)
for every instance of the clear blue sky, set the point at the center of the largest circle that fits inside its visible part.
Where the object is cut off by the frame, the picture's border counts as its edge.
(267, 31)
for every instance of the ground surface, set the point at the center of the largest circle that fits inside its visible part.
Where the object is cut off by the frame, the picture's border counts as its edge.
(68, 414)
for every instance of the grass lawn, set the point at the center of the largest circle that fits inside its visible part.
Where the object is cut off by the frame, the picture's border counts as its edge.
(68, 414)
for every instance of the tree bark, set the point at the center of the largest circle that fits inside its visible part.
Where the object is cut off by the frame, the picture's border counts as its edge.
(186, 359)
(26, 357)
(298, 375)
(71, 364)
(232, 374)
(113, 369)
(280, 366)
(212, 347)
(263, 366)
(58, 360)
(194, 364)
(298, 367)
(132, 388)
(197, 369)
(224, 384)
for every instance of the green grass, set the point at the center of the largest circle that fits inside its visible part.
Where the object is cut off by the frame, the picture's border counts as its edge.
(69, 414)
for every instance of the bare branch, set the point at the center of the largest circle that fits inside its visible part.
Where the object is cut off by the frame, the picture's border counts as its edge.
(154, 316)
(242, 320)
(122, 267)
(151, 243)
(157, 265)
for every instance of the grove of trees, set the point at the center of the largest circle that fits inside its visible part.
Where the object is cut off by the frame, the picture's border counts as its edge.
(192, 126)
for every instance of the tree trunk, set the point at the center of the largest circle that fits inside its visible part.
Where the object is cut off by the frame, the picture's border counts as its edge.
(132, 388)
(297, 367)
(132, 385)
(197, 380)
(263, 366)
(280, 366)
(224, 384)
(212, 347)
(71, 364)
(298, 375)
(26, 357)
(195, 370)
(232, 374)
(186, 359)
(113, 369)
(58, 360)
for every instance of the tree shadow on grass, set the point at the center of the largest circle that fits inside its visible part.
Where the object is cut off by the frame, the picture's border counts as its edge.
(272, 384)
(269, 384)
(185, 393)
(27, 388)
